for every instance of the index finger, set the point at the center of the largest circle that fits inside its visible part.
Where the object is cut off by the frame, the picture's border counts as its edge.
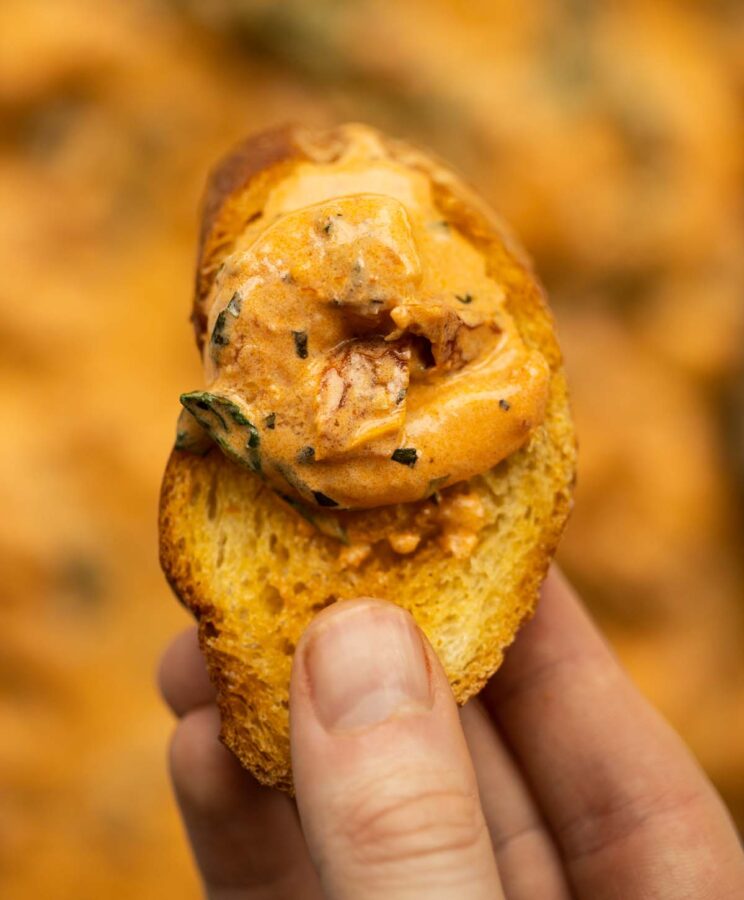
(631, 810)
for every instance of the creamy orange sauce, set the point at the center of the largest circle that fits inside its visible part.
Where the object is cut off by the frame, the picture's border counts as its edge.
(362, 339)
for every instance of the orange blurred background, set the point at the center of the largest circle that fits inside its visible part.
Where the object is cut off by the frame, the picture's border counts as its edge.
(609, 134)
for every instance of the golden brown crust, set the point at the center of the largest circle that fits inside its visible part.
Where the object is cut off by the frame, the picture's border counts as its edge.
(253, 606)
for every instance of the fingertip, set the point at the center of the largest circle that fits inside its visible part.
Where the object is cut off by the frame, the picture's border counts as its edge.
(205, 774)
(360, 662)
(245, 837)
(385, 786)
(182, 675)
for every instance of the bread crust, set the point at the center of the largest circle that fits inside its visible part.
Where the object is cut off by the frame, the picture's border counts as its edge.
(208, 503)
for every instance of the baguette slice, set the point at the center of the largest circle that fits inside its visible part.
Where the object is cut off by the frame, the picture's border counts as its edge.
(254, 572)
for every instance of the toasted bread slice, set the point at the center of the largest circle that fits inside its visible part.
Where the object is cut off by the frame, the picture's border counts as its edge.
(254, 572)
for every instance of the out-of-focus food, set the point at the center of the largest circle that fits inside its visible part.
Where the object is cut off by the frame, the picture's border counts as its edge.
(610, 135)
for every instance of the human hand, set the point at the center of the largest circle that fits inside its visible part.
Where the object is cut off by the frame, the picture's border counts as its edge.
(559, 781)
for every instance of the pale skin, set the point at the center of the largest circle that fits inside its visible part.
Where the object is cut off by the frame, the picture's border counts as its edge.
(559, 781)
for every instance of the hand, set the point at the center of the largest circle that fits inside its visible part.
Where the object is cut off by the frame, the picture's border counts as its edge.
(559, 781)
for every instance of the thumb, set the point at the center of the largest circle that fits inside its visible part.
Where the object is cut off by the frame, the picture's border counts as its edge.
(385, 786)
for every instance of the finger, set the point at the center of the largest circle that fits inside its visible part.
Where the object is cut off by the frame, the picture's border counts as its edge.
(631, 810)
(182, 676)
(246, 838)
(527, 859)
(385, 787)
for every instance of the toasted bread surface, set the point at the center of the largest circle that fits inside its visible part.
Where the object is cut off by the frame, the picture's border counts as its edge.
(254, 572)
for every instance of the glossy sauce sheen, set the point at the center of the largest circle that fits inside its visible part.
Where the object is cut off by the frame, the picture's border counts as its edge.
(361, 336)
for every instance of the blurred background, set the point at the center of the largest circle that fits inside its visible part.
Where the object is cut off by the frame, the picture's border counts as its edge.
(609, 135)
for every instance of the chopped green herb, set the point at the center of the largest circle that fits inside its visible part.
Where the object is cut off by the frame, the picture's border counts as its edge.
(464, 298)
(306, 454)
(238, 417)
(270, 421)
(292, 479)
(254, 438)
(407, 456)
(300, 341)
(323, 500)
(401, 396)
(505, 405)
(236, 302)
(218, 416)
(219, 338)
(198, 402)
(326, 523)
(204, 402)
